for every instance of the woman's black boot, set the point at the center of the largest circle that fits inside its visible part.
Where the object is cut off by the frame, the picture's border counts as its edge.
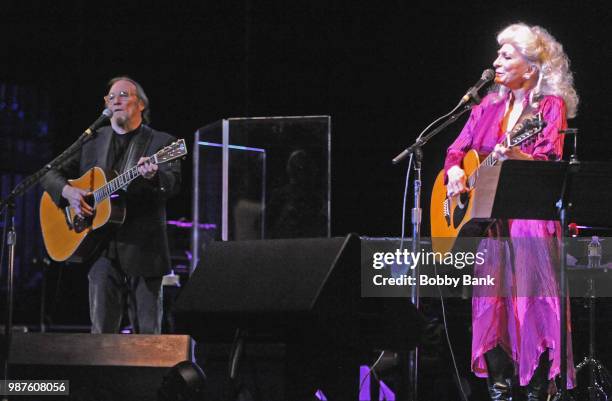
(538, 385)
(501, 372)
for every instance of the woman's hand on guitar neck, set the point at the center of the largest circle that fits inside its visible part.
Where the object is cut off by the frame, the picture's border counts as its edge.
(456, 181)
(513, 153)
(75, 196)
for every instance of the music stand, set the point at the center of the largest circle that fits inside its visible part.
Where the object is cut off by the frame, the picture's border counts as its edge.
(549, 191)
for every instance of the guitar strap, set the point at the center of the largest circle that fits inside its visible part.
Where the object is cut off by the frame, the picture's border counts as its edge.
(528, 112)
(137, 148)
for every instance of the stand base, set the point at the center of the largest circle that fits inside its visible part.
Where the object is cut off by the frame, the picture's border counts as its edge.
(600, 386)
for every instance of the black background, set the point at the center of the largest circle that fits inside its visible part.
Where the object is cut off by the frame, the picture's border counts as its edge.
(383, 70)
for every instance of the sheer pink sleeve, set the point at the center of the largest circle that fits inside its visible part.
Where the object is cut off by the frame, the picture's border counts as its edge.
(463, 143)
(549, 145)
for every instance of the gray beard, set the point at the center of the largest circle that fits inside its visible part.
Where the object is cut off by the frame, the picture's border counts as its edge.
(121, 121)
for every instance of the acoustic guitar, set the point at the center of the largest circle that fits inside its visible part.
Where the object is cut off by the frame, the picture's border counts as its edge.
(452, 217)
(68, 235)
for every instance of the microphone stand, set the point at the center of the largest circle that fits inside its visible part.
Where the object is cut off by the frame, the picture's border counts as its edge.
(8, 206)
(416, 149)
(563, 209)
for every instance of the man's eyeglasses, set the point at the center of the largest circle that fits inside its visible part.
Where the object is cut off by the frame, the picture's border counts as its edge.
(124, 95)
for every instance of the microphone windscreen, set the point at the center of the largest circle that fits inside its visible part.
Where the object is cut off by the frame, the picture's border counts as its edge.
(488, 74)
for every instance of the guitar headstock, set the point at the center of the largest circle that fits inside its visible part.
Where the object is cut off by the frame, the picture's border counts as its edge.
(526, 129)
(173, 151)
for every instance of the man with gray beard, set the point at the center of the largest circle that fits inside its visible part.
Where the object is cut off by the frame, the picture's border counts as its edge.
(127, 268)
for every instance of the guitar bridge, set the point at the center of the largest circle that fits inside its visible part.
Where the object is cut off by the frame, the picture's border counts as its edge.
(446, 207)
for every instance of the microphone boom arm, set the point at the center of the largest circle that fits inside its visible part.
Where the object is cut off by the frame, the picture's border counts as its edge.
(33, 179)
(470, 98)
(423, 140)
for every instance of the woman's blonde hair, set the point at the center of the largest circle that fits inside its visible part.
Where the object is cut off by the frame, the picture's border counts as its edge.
(543, 51)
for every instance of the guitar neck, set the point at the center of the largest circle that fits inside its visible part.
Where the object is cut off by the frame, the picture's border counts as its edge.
(489, 161)
(525, 129)
(119, 182)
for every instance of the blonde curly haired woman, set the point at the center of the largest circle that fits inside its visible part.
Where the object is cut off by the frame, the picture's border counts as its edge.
(516, 332)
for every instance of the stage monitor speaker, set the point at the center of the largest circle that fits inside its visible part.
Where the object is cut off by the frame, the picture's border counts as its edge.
(98, 366)
(291, 290)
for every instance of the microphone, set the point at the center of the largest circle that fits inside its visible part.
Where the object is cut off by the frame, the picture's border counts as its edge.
(104, 117)
(472, 93)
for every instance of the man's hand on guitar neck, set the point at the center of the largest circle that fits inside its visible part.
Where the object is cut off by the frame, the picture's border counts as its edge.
(146, 168)
(75, 196)
(456, 181)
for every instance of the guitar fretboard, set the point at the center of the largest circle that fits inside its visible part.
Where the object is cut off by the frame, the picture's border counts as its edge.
(118, 182)
(521, 132)
(487, 162)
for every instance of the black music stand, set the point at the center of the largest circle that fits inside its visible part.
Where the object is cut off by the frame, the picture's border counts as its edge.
(550, 191)
(600, 380)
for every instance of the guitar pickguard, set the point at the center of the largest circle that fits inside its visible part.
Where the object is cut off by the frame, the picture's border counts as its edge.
(82, 223)
(460, 209)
